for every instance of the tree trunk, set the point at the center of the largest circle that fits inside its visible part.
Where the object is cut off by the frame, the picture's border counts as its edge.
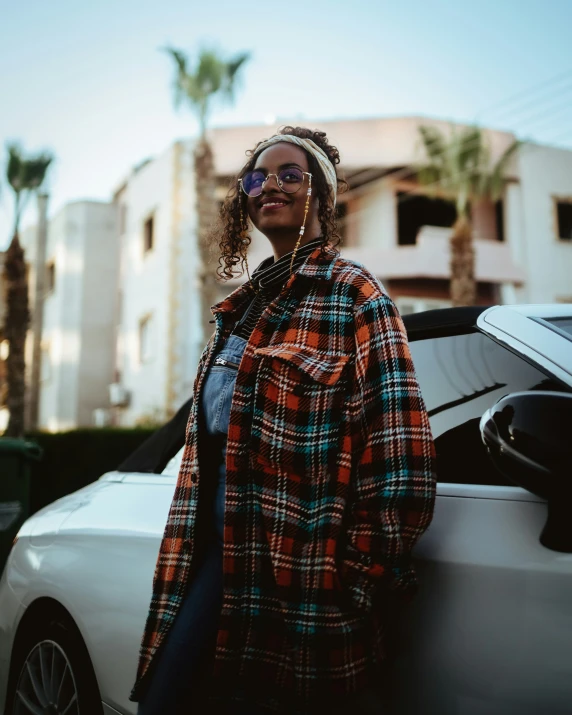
(206, 215)
(15, 329)
(462, 286)
(37, 320)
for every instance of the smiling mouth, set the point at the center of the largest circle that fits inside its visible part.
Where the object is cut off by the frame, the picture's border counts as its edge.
(273, 205)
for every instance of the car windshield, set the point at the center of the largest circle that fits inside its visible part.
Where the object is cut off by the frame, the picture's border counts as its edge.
(563, 324)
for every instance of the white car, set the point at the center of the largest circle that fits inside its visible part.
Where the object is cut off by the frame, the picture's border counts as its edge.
(490, 631)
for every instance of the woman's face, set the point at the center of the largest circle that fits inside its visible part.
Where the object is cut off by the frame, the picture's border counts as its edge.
(276, 213)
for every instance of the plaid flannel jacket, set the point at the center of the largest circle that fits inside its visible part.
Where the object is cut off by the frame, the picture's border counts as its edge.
(330, 481)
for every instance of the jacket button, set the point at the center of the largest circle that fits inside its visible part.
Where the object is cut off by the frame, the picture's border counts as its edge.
(194, 478)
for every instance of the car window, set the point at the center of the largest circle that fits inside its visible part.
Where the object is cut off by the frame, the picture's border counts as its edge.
(174, 464)
(461, 377)
(563, 325)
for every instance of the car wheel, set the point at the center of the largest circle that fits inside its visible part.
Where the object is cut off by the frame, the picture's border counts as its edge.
(55, 675)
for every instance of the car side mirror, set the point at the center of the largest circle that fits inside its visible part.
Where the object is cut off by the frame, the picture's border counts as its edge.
(528, 436)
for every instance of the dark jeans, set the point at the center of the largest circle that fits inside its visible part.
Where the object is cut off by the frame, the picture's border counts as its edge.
(189, 644)
(184, 661)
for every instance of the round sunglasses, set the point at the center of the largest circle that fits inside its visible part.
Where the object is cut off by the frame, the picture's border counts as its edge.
(289, 180)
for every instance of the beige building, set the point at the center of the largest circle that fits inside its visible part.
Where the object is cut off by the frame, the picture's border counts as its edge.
(124, 310)
(78, 337)
(387, 221)
(158, 325)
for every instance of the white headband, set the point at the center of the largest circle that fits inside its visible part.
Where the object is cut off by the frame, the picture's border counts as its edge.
(312, 148)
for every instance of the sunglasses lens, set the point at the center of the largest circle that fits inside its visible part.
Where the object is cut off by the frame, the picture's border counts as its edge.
(252, 183)
(291, 179)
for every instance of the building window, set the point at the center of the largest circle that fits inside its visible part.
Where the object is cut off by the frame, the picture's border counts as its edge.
(50, 276)
(564, 219)
(145, 338)
(148, 234)
(415, 211)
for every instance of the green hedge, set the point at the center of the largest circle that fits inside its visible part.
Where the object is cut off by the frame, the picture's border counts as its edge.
(76, 458)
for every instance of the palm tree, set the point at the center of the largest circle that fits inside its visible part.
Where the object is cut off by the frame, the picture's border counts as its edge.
(24, 175)
(460, 168)
(212, 78)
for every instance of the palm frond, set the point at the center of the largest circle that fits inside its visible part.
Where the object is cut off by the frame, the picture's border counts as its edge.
(179, 58)
(192, 91)
(434, 173)
(181, 76)
(453, 159)
(35, 169)
(210, 77)
(434, 142)
(497, 176)
(26, 174)
(474, 161)
(471, 148)
(462, 165)
(236, 63)
(232, 73)
(431, 177)
(14, 166)
(210, 72)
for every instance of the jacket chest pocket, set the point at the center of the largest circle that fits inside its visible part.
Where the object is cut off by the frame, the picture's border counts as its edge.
(298, 408)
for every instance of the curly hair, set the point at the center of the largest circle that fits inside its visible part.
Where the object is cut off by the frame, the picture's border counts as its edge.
(229, 237)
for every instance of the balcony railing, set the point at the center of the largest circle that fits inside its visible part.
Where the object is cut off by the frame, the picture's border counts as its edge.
(429, 258)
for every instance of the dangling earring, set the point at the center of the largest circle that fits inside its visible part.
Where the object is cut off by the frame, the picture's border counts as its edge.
(303, 222)
(245, 241)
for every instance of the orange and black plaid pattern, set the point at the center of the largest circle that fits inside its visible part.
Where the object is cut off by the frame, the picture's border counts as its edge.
(330, 482)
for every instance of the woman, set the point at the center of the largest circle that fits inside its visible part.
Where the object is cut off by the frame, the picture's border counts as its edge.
(308, 471)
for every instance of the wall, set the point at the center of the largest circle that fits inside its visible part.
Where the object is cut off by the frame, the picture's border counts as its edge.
(186, 339)
(78, 322)
(99, 307)
(544, 172)
(373, 223)
(62, 321)
(162, 284)
(363, 143)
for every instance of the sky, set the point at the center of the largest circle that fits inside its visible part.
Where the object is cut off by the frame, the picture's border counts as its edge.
(88, 80)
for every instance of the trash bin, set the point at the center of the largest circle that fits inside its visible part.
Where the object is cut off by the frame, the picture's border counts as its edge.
(16, 456)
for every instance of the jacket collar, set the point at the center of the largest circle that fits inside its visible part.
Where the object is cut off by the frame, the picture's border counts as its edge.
(315, 267)
(271, 274)
(318, 266)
